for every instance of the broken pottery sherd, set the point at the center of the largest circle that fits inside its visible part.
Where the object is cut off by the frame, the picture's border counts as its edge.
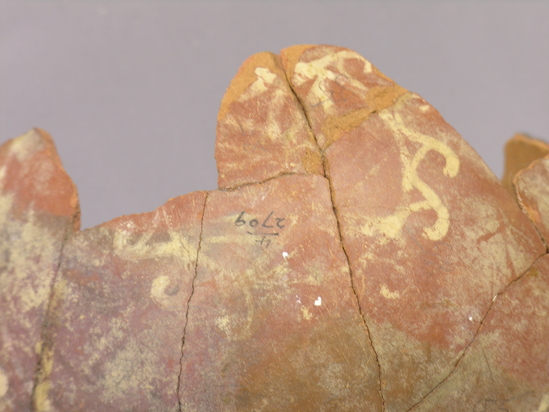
(357, 256)
(262, 125)
(38, 212)
(532, 191)
(119, 310)
(520, 152)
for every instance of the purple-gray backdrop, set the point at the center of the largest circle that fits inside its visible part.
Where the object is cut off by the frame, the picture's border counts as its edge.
(130, 89)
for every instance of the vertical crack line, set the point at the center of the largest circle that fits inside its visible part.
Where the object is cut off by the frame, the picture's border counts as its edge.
(522, 207)
(362, 315)
(301, 107)
(325, 166)
(48, 313)
(479, 328)
(180, 405)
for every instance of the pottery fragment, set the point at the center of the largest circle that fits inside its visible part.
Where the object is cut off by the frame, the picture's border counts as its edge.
(358, 255)
(38, 211)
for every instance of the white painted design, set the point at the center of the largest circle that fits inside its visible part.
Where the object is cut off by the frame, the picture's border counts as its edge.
(392, 225)
(2, 176)
(386, 293)
(223, 323)
(158, 292)
(544, 404)
(318, 301)
(263, 81)
(130, 245)
(306, 314)
(331, 67)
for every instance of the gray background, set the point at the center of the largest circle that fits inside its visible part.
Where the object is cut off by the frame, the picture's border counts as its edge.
(130, 90)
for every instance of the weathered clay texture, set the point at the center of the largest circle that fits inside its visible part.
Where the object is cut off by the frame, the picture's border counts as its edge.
(520, 152)
(38, 210)
(358, 256)
(506, 368)
(532, 188)
(273, 322)
(419, 213)
(114, 340)
(262, 126)
(337, 87)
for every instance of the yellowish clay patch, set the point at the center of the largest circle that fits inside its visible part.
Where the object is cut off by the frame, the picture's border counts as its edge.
(3, 383)
(386, 293)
